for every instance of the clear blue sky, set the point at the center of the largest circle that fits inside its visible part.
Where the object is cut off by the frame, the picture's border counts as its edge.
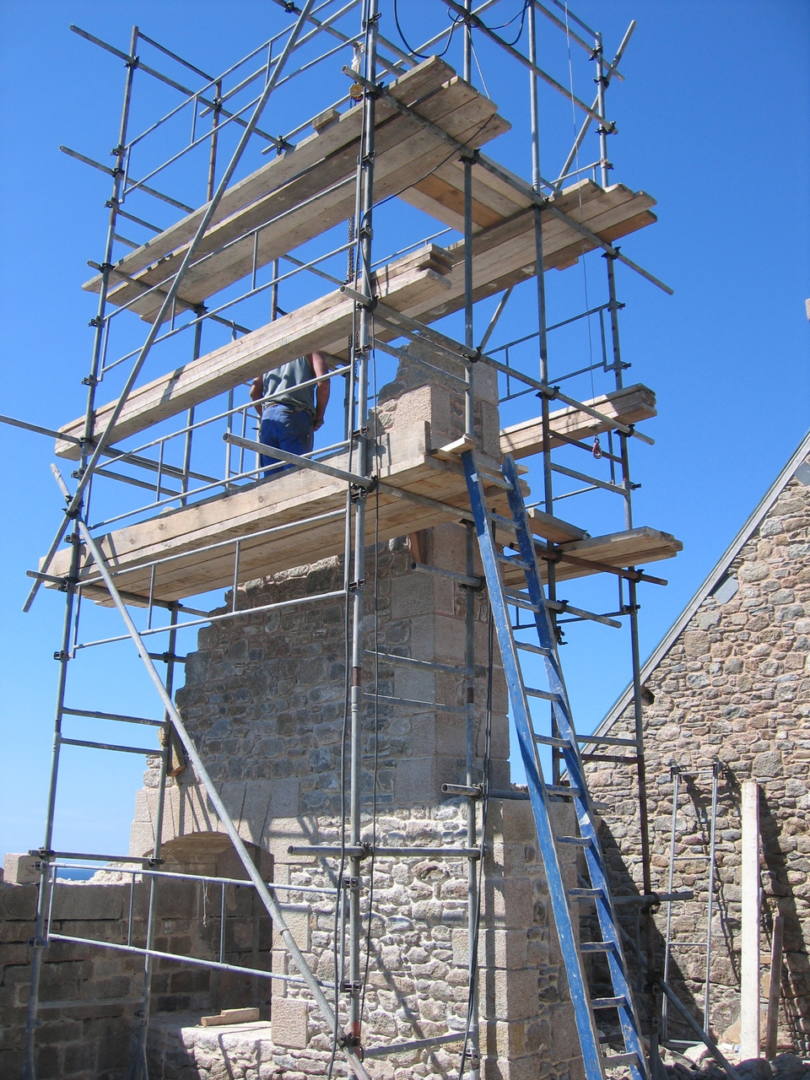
(713, 120)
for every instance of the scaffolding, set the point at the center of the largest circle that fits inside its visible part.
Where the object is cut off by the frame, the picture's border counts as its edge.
(445, 252)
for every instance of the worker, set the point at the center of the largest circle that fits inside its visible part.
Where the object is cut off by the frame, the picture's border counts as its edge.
(295, 412)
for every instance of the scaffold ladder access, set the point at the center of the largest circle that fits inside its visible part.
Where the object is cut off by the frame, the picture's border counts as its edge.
(565, 901)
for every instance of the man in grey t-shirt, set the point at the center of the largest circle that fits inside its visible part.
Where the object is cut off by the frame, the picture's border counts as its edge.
(295, 411)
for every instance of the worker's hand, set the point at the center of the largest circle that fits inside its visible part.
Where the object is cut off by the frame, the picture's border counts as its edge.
(317, 424)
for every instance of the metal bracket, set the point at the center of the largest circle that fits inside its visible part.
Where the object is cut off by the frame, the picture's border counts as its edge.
(548, 392)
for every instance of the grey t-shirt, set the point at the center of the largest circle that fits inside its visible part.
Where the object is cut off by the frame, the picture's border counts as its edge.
(283, 383)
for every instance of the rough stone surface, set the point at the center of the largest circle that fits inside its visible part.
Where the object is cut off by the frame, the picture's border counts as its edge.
(734, 688)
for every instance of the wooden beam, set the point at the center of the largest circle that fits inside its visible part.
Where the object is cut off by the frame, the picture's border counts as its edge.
(625, 406)
(774, 987)
(322, 325)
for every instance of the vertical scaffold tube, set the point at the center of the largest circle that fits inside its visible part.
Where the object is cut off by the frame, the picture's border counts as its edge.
(469, 389)
(632, 599)
(542, 322)
(141, 1066)
(473, 1037)
(362, 350)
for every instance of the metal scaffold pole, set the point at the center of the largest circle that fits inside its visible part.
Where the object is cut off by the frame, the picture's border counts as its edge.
(362, 349)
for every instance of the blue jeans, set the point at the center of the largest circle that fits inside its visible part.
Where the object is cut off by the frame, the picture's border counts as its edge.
(288, 429)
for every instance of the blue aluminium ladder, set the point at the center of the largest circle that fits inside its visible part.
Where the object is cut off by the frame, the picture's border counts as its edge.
(564, 901)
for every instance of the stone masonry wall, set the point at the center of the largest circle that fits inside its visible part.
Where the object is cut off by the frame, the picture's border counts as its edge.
(735, 688)
(266, 701)
(266, 707)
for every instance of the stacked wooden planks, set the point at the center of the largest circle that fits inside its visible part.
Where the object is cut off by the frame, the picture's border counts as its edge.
(625, 406)
(210, 545)
(424, 285)
(307, 190)
(194, 548)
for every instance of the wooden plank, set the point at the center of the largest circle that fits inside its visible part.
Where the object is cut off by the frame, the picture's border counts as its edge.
(442, 196)
(553, 528)
(183, 534)
(625, 406)
(415, 85)
(632, 547)
(504, 254)
(322, 325)
(316, 198)
(231, 1016)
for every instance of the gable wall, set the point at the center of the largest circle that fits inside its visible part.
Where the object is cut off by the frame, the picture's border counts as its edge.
(734, 687)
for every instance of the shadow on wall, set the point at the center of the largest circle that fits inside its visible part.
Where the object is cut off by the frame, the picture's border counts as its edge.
(642, 940)
(687, 967)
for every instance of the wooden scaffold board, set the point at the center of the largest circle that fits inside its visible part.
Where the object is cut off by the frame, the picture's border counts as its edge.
(307, 190)
(424, 285)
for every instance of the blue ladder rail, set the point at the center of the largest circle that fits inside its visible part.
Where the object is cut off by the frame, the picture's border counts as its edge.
(564, 902)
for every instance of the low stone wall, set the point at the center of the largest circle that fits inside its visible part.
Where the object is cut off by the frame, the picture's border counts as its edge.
(91, 997)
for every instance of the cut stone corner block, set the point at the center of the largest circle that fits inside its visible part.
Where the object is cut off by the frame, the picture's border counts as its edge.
(19, 868)
(289, 1018)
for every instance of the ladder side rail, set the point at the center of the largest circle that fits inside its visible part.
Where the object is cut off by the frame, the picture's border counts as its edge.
(589, 1044)
(563, 723)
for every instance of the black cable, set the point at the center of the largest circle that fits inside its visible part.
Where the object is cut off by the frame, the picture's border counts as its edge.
(456, 20)
(501, 26)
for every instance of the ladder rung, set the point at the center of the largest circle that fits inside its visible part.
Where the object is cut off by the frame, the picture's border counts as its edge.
(617, 1060)
(537, 649)
(689, 858)
(585, 894)
(513, 560)
(496, 479)
(501, 521)
(596, 946)
(607, 740)
(546, 695)
(579, 841)
(608, 1003)
(553, 740)
(686, 944)
(564, 790)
